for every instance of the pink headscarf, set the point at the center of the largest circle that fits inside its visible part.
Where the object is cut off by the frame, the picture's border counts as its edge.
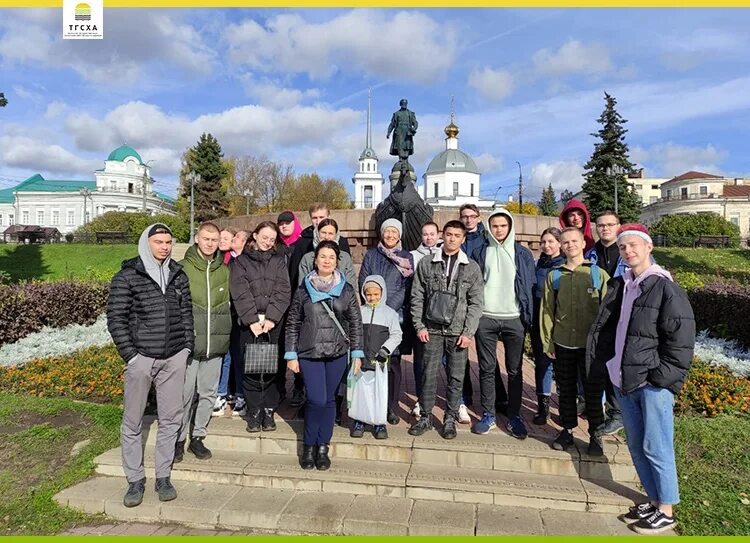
(296, 233)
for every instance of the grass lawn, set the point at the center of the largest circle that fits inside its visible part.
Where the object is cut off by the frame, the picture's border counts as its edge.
(36, 438)
(62, 261)
(733, 263)
(713, 464)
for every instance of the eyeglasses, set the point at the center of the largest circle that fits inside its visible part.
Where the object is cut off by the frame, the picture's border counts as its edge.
(607, 225)
(469, 217)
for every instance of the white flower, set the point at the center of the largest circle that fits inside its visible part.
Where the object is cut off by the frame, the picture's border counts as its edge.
(723, 352)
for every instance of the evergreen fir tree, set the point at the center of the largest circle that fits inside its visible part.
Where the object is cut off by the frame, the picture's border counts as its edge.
(3, 100)
(609, 153)
(205, 159)
(548, 203)
(565, 196)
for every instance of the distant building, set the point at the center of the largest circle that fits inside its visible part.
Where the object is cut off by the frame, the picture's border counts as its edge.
(368, 182)
(69, 204)
(698, 192)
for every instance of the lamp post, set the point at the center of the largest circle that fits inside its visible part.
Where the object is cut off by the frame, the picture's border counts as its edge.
(494, 198)
(616, 171)
(520, 188)
(248, 194)
(192, 178)
(86, 193)
(145, 181)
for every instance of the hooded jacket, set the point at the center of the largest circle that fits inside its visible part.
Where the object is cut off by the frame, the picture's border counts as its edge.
(312, 334)
(525, 276)
(543, 266)
(345, 265)
(260, 286)
(399, 287)
(659, 339)
(380, 326)
(422, 251)
(209, 292)
(149, 310)
(588, 237)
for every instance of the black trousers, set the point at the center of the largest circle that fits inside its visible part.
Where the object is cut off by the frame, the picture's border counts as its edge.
(261, 390)
(570, 364)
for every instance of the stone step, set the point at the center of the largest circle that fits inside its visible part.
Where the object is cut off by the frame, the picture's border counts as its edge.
(280, 511)
(495, 451)
(395, 479)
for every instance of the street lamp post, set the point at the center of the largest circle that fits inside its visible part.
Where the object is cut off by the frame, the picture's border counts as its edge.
(494, 198)
(616, 171)
(248, 194)
(520, 188)
(86, 193)
(145, 181)
(192, 178)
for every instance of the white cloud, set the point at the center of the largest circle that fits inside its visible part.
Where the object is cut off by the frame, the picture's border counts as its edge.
(671, 159)
(492, 84)
(562, 174)
(275, 95)
(55, 109)
(684, 51)
(488, 163)
(573, 57)
(35, 155)
(372, 42)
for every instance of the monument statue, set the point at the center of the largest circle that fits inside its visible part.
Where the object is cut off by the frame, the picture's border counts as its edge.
(404, 126)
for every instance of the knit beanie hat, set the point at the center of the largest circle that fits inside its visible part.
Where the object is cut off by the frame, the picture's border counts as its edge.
(634, 229)
(392, 223)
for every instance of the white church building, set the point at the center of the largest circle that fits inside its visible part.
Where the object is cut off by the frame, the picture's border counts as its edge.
(124, 184)
(368, 181)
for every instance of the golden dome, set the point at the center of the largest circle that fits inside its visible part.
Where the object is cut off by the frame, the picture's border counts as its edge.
(451, 130)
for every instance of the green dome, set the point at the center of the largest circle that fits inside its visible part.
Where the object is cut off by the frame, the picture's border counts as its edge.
(123, 152)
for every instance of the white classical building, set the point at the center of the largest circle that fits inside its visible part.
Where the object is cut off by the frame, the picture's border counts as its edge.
(648, 188)
(368, 181)
(124, 184)
(698, 192)
(452, 177)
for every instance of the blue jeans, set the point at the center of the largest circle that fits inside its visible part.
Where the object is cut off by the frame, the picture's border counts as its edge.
(223, 389)
(542, 362)
(322, 379)
(648, 416)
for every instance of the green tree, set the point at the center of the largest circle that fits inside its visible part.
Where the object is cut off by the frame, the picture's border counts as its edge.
(610, 152)
(135, 223)
(306, 189)
(566, 196)
(205, 159)
(682, 230)
(3, 100)
(548, 202)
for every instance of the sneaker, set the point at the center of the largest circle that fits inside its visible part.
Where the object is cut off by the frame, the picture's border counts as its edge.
(596, 447)
(380, 432)
(220, 404)
(179, 452)
(612, 426)
(638, 512)
(517, 428)
(268, 424)
(253, 421)
(486, 425)
(298, 397)
(199, 449)
(463, 414)
(134, 494)
(416, 411)
(358, 429)
(240, 407)
(421, 426)
(449, 427)
(165, 489)
(392, 417)
(563, 440)
(656, 523)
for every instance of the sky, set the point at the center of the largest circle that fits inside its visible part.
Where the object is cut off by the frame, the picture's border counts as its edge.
(289, 84)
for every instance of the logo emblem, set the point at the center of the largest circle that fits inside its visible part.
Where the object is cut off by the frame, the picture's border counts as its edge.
(83, 12)
(83, 20)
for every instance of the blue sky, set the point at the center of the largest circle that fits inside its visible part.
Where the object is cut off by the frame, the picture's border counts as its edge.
(292, 85)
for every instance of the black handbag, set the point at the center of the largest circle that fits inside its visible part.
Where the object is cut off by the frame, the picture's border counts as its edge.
(262, 358)
(441, 307)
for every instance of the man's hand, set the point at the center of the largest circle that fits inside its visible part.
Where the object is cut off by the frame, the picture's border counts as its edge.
(463, 342)
(552, 356)
(268, 326)
(293, 365)
(424, 336)
(256, 328)
(357, 366)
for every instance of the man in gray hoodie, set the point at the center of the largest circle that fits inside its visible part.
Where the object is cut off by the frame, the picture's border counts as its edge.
(150, 319)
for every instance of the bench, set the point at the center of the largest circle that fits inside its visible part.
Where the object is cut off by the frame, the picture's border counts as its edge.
(112, 237)
(711, 241)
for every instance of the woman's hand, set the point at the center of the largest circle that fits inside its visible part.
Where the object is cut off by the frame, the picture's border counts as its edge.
(357, 366)
(268, 326)
(256, 328)
(293, 365)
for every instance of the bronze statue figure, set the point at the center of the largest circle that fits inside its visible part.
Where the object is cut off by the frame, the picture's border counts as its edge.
(404, 126)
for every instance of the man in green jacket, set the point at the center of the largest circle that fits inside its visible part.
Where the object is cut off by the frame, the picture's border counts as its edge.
(209, 288)
(572, 294)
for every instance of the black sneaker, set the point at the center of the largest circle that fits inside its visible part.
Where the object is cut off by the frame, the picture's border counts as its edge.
(656, 523)
(449, 427)
(421, 426)
(596, 447)
(380, 432)
(199, 449)
(134, 494)
(298, 397)
(358, 429)
(269, 424)
(165, 489)
(253, 421)
(179, 452)
(638, 512)
(517, 428)
(392, 418)
(612, 426)
(563, 440)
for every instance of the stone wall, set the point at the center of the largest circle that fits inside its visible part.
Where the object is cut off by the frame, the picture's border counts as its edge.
(358, 226)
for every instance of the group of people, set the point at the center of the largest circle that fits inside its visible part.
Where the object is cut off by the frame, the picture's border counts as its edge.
(605, 321)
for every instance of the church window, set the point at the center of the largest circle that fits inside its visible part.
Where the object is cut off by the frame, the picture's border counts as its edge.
(455, 188)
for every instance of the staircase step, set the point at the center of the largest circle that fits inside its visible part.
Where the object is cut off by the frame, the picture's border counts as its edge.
(497, 450)
(395, 479)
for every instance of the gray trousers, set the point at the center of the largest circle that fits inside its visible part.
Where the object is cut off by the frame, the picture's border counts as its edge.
(168, 377)
(434, 350)
(199, 395)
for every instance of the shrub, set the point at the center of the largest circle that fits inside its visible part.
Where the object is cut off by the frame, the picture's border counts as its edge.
(682, 230)
(722, 307)
(135, 223)
(94, 374)
(712, 391)
(723, 352)
(688, 280)
(28, 307)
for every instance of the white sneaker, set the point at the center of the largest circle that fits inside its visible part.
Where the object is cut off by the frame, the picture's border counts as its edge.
(220, 403)
(416, 411)
(463, 414)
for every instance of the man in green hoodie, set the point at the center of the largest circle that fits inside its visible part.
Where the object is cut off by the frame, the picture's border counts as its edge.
(209, 287)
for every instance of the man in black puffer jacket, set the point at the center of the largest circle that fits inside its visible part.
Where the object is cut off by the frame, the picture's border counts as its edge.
(150, 318)
(644, 337)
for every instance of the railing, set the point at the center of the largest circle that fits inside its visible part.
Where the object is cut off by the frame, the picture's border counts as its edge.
(692, 196)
